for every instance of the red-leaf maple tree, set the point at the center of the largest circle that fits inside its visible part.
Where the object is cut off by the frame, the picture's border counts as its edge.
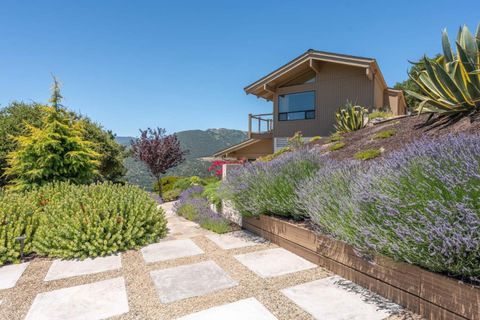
(158, 151)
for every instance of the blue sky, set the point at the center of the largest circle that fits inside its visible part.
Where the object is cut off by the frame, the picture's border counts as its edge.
(183, 64)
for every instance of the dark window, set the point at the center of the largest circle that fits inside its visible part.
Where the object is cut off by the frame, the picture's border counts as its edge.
(296, 106)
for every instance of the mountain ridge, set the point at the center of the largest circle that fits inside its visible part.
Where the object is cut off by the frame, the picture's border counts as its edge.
(199, 143)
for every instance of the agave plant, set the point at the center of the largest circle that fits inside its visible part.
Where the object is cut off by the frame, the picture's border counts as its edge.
(351, 118)
(451, 83)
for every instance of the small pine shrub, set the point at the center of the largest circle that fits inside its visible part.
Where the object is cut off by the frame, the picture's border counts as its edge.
(367, 154)
(384, 134)
(96, 220)
(19, 216)
(337, 146)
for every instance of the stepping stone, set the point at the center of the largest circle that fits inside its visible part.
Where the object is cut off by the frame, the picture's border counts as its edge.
(168, 250)
(274, 262)
(10, 274)
(236, 239)
(190, 281)
(324, 299)
(98, 300)
(249, 308)
(61, 269)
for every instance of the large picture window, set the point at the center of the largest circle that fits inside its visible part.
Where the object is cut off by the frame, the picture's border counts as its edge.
(296, 106)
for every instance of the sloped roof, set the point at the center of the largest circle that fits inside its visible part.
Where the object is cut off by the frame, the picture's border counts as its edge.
(305, 62)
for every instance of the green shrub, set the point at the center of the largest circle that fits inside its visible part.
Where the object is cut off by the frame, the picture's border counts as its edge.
(19, 216)
(384, 134)
(316, 138)
(337, 146)
(96, 220)
(56, 151)
(351, 118)
(216, 225)
(168, 183)
(188, 211)
(335, 137)
(380, 114)
(171, 195)
(274, 155)
(211, 193)
(367, 154)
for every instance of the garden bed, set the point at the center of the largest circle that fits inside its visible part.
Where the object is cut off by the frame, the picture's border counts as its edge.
(431, 295)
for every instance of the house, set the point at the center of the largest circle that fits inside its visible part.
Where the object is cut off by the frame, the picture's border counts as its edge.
(306, 92)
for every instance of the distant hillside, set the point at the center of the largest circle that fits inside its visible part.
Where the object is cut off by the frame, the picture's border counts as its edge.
(199, 143)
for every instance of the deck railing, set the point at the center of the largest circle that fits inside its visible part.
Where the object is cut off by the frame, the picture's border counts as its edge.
(260, 123)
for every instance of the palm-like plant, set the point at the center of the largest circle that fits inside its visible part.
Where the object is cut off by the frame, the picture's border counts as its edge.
(451, 83)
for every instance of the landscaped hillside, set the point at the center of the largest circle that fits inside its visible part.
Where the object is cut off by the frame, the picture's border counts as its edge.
(200, 143)
(389, 136)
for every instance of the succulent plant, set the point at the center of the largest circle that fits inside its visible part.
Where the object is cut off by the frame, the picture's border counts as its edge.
(351, 118)
(451, 83)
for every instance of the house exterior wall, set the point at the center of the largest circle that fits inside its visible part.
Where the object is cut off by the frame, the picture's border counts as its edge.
(396, 103)
(261, 148)
(378, 93)
(334, 85)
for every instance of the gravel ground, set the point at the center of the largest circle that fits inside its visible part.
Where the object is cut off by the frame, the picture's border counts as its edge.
(142, 296)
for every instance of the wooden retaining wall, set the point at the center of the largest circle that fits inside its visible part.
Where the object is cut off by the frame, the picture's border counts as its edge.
(429, 294)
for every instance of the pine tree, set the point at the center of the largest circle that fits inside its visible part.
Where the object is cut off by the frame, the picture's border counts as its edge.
(54, 152)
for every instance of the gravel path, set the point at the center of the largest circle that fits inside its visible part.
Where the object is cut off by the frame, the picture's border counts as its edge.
(143, 298)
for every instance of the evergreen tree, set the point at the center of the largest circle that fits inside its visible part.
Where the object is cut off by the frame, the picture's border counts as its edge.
(56, 151)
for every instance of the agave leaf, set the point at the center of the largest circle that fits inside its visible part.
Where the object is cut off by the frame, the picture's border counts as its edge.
(467, 66)
(450, 85)
(477, 36)
(429, 67)
(469, 44)
(442, 104)
(427, 81)
(447, 49)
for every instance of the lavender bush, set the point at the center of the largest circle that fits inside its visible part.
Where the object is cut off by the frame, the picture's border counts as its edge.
(194, 206)
(329, 199)
(420, 204)
(269, 187)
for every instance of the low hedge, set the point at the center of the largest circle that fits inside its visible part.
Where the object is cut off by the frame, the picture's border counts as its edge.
(70, 221)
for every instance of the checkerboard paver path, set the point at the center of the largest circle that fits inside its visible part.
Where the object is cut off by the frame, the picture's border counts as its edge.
(193, 274)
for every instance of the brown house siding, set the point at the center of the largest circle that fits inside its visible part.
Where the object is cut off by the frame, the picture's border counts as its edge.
(335, 84)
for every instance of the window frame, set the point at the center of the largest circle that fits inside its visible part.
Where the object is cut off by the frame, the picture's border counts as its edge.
(300, 111)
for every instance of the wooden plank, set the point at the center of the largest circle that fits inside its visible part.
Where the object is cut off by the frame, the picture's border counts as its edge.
(431, 295)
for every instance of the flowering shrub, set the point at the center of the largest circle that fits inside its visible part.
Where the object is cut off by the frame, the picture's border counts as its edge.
(217, 166)
(269, 187)
(420, 204)
(192, 205)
